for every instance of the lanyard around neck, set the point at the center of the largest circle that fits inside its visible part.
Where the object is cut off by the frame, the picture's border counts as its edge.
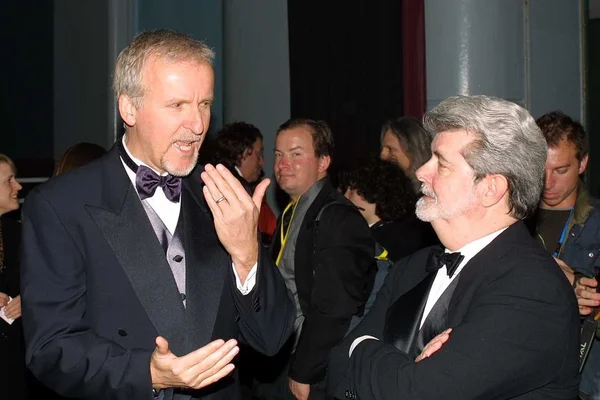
(563, 235)
(284, 235)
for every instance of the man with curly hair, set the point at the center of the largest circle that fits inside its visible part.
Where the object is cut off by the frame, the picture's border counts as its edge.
(385, 198)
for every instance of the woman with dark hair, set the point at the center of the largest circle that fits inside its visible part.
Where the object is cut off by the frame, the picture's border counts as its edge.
(385, 198)
(77, 156)
(407, 144)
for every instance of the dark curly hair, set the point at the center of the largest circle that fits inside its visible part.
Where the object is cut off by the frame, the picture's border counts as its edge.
(231, 142)
(557, 126)
(381, 183)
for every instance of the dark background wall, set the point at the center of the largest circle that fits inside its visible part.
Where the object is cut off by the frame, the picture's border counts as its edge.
(346, 69)
(27, 81)
(593, 103)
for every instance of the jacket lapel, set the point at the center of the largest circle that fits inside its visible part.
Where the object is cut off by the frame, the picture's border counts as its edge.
(206, 263)
(477, 266)
(403, 318)
(127, 230)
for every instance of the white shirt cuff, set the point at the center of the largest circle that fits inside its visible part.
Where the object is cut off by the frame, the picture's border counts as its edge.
(250, 280)
(357, 341)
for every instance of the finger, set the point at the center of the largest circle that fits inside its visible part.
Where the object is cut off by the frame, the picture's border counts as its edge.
(206, 356)
(162, 345)
(585, 310)
(233, 183)
(259, 193)
(209, 183)
(590, 294)
(203, 372)
(212, 204)
(590, 282)
(216, 377)
(587, 302)
(217, 184)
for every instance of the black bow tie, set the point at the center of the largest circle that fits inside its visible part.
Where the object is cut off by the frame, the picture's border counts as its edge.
(438, 258)
(146, 180)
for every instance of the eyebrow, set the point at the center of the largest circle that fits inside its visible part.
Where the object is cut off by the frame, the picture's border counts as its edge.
(440, 156)
(292, 149)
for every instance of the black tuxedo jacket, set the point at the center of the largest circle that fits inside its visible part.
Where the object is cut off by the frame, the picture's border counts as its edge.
(515, 332)
(334, 272)
(97, 289)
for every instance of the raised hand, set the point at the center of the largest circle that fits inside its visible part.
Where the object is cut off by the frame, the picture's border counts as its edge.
(235, 214)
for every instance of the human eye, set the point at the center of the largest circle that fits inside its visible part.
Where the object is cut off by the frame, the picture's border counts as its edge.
(562, 171)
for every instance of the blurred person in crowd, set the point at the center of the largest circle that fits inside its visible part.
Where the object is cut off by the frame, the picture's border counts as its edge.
(325, 253)
(567, 224)
(385, 197)
(239, 146)
(407, 144)
(77, 156)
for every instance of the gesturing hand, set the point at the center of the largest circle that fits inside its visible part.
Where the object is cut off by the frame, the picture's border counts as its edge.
(235, 214)
(195, 370)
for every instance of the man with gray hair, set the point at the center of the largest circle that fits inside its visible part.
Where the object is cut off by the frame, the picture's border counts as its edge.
(489, 316)
(140, 273)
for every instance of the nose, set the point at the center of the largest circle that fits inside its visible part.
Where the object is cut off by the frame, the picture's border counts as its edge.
(384, 154)
(424, 172)
(548, 180)
(17, 186)
(198, 121)
(281, 162)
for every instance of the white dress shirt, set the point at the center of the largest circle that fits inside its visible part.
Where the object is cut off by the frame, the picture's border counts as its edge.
(442, 280)
(168, 212)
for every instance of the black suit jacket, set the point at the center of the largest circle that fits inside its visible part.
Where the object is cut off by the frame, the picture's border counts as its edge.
(515, 332)
(97, 289)
(334, 272)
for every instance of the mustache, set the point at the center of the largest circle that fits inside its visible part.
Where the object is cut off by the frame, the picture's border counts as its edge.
(187, 137)
(427, 191)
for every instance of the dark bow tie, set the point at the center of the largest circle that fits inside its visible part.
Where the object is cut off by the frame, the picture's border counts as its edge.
(146, 180)
(438, 258)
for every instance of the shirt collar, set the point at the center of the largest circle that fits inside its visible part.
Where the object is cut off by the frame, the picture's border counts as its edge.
(137, 161)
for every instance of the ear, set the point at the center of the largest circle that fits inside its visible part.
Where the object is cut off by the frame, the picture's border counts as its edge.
(127, 110)
(324, 162)
(583, 164)
(495, 187)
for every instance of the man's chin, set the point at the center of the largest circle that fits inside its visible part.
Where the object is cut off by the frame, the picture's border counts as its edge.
(180, 171)
(183, 168)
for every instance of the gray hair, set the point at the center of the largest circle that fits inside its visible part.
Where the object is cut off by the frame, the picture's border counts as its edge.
(161, 43)
(508, 142)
